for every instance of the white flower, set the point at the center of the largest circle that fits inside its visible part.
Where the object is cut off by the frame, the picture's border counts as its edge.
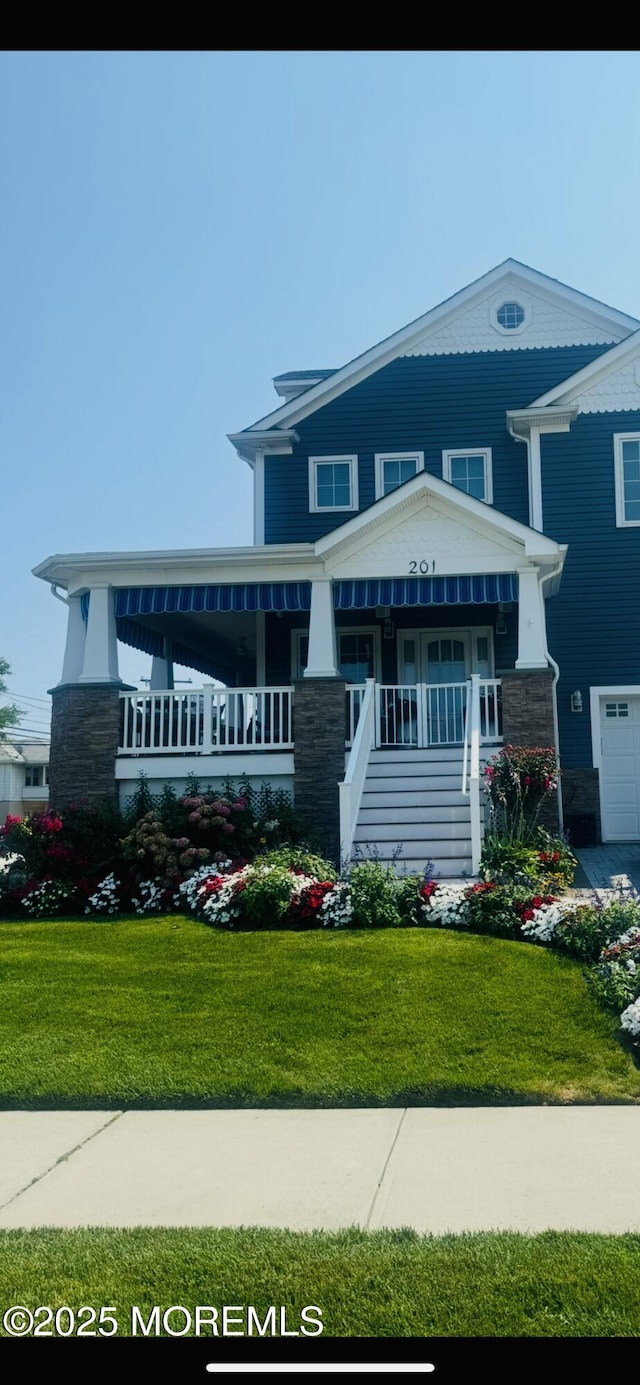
(630, 1018)
(106, 899)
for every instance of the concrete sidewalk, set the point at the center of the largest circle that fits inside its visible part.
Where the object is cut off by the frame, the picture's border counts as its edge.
(433, 1169)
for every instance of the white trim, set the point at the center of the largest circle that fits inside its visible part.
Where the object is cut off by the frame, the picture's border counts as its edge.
(485, 453)
(618, 439)
(381, 457)
(400, 342)
(596, 695)
(492, 521)
(314, 507)
(573, 386)
(258, 497)
(534, 459)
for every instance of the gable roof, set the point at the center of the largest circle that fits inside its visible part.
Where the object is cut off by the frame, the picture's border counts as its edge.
(424, 484)
(607, 364)
(614, 323)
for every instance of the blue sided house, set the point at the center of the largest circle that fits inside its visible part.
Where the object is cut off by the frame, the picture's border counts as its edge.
(446, 559)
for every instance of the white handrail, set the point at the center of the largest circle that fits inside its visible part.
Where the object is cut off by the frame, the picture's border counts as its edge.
(474, 772)
(465, 743)
(350, 790)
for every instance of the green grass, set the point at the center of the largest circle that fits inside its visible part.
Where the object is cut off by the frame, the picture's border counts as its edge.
(377, 1284)
(169, 1012)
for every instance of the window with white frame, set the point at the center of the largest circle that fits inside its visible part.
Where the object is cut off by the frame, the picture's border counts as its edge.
(358, 653)
(333, 483)
(627, 455)
(470, 470)
(394, 468)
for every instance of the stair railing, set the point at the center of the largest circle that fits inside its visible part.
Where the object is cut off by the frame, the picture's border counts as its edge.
(350, 790)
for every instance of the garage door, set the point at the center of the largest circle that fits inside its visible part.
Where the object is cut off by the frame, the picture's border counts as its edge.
(620, 733)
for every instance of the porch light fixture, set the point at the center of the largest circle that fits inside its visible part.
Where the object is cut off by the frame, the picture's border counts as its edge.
(388, 628)
(501, 624)
(576, 701)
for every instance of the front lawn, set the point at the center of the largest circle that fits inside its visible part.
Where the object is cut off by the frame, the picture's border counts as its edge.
(169, 1012)
(376, 1284)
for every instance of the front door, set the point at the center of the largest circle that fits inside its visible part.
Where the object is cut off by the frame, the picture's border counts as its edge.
(446, 665)
(620, 770)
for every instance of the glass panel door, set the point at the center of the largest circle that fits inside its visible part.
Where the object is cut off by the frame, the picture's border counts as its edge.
(446, 665)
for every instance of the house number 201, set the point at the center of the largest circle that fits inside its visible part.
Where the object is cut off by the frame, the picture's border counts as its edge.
(422, 565)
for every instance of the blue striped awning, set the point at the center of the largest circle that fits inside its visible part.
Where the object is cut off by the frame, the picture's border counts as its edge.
(425, 591)
(244, 596)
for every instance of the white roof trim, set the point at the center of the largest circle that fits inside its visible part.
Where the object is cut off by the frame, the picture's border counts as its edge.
(400, 342)
(62, 568)
(604, 365)
(536, 545)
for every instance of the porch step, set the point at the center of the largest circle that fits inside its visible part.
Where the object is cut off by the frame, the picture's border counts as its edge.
(413, 798)
(420, 784)
(405, 815)
(413, 811)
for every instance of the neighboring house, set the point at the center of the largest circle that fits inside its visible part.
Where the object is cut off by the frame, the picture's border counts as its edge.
(454, 516)
(24, 784)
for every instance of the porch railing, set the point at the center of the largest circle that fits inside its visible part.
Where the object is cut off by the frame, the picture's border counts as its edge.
(350, 791)
(206, 722)
(427, 714)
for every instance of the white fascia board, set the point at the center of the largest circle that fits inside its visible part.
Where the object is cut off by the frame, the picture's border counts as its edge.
(276, 442)
(604, 365)
(492, 521)
(75, 571)
(401, 342)
(554, 419)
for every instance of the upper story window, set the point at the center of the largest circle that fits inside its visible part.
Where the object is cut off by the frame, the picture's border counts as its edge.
(510, 316)
(469, 470)
(35, 776)
(333, 483)
(627, 455)
(393, 468)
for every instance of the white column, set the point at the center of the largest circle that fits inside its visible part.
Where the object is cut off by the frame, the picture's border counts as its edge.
(535, 479)
(74, 648)
(532, 641)
(322, 660)
(258, 498)
(101, 648)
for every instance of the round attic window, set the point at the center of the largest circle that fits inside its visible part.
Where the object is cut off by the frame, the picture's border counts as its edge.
(510, 316)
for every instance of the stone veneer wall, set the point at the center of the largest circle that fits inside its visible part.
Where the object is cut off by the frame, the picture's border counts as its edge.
(319, 758)
(527, 719)
(85, 726)
(581, 794)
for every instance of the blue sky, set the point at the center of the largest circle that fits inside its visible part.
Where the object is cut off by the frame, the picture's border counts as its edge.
(178, 228)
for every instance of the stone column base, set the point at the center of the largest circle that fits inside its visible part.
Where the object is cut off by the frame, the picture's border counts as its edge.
(85, 731)
(527, 719)
(320, 720)
(581, 794)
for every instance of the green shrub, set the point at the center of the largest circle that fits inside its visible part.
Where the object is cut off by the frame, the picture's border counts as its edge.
(298, 858)
(509, 862)
(543, 862)
(266, 898)
(374, 896)
(592, 927)
(616, 978)
(492, 909)
(408, 900)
